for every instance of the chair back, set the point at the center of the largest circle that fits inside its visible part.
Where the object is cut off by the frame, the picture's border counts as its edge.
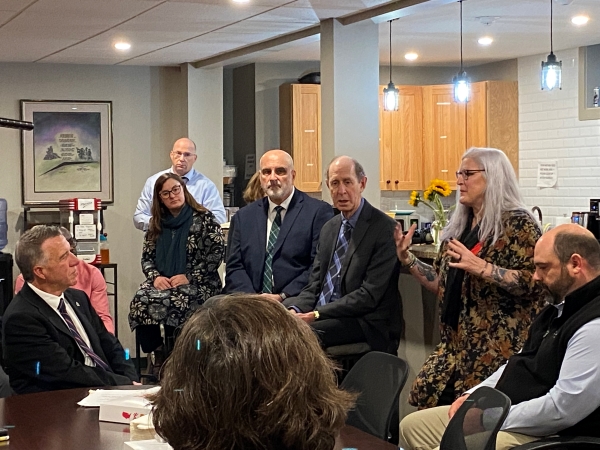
(477, 422)
(378, 378)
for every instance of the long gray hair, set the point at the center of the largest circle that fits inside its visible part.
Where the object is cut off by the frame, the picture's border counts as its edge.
(501, 194)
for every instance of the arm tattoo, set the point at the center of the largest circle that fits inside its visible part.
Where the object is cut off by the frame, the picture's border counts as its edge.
(507, 279)
(425, 270)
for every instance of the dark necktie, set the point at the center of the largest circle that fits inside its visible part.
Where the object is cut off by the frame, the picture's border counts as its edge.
(268, 272)
(185, 180)
(62, 309)
(331, 287)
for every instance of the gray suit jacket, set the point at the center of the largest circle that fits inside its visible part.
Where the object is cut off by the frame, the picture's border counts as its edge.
(369, 278)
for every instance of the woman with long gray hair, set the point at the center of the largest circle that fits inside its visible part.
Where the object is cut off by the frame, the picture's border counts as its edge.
(482, 276)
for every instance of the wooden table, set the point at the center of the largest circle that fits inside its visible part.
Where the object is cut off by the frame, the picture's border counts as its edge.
(53, 421)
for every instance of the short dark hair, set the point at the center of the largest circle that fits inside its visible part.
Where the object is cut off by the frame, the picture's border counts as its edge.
(246, 374)
(359, 171)
(586, 245)
(28, 251)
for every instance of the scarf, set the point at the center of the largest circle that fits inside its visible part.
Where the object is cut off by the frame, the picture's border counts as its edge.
(452, 302)
(171, 258)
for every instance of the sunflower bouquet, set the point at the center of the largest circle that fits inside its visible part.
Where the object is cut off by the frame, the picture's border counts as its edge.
(432, 199)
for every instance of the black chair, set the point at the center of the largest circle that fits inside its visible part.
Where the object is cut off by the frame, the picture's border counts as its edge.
(477, 422)
(378, 378)
(347, 355)
(562, 443)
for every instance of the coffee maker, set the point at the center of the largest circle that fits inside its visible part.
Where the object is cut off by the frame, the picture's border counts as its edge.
(589, 219)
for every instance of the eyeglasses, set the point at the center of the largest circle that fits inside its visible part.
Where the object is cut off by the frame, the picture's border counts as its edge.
(186, 155)
(465, 174)
(175, 191)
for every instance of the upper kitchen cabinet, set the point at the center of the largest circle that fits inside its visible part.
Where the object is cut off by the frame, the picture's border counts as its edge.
(300, 132)
(493, 118)
(490, 119)
(443, 133)
(401, 141)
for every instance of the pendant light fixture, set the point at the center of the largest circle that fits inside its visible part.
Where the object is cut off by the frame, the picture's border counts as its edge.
(462, 84)
(390, 93)
(551, 68)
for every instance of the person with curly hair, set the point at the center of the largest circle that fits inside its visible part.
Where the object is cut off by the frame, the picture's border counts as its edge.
(182, 252)
(482, 276)
(247, 374)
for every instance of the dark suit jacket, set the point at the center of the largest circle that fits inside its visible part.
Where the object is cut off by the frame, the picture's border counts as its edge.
(33, 333)
(294, 250)
(369, 278)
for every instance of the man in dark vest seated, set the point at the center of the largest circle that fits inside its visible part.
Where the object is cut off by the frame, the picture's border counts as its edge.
(554, 382)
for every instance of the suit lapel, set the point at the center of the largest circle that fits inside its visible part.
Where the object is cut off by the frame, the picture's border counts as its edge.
(85, 323)
(294, 209)
(261, 227)
(46, 310)
(359, 232)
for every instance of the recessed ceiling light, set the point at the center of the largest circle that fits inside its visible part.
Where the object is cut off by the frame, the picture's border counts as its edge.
(122, 45)
(241, 1)
(411, 56)
(579, 20)
(486, 40)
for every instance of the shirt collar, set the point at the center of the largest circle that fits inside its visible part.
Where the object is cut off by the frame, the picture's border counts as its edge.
(188, 175)
(284, 204)
(51, 299)
(354, 218)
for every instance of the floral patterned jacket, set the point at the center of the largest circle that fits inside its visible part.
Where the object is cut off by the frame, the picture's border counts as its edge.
(493, 322)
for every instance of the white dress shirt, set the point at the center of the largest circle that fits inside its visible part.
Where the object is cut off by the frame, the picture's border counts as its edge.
(575, 395)
(53, 301)
(272, 213)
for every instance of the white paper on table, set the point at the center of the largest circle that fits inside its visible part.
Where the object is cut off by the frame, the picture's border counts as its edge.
(99, 396)
(547, 174)
(152, 444)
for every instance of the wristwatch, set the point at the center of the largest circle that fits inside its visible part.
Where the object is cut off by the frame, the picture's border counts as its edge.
(282, 296)
(316, 313)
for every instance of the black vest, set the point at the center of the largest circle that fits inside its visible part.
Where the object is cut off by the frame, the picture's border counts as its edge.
(533, 372)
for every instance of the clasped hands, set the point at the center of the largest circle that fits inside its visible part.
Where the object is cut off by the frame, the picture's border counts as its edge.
(163, 283)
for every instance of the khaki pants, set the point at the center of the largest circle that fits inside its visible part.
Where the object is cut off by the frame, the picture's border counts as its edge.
(423, 430)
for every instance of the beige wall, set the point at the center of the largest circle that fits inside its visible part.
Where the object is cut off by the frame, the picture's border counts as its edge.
(149, 113)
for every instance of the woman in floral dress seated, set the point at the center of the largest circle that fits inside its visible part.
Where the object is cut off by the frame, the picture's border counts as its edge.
(182, 252)
(482, 276)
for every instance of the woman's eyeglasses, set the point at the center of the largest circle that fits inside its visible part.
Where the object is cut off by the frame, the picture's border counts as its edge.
(465, 174)
(175, 191)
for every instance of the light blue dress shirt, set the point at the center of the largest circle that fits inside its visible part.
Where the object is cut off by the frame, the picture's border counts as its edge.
(202, 189)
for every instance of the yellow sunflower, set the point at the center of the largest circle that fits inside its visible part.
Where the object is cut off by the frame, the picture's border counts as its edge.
(414, 199)
(428, 194)
(440, 186)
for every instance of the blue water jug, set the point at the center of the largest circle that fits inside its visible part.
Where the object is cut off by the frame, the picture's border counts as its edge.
(3, 224)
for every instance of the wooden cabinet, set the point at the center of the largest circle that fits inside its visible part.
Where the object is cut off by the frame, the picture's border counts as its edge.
(400, 141)
(300, 132)
(489, 119)
(443, 134)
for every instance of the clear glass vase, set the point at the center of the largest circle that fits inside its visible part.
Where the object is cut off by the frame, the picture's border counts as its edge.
(436, 232)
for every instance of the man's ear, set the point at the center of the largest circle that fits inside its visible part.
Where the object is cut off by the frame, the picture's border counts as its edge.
(576, 263)
(38, 271)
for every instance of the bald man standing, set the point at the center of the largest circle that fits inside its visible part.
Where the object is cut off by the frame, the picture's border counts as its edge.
(183, 156)
(554, 382)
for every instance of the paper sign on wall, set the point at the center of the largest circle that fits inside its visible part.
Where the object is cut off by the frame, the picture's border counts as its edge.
(547, 174)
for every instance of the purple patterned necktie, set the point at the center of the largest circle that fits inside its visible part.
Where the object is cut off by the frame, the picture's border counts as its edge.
(331, 287)
(62, 309)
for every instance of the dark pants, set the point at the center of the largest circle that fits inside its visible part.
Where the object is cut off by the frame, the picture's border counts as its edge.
(332, 332)
(150, 339)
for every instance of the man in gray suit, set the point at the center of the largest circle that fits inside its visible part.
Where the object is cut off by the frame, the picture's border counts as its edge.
(352, 293)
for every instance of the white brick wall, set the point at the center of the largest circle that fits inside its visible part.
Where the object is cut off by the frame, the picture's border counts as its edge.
(549, 129)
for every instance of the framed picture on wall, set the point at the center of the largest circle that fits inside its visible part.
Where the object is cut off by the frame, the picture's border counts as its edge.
(69, 152)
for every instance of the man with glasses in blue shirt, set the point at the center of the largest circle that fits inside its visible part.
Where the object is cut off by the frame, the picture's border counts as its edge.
(183, 156)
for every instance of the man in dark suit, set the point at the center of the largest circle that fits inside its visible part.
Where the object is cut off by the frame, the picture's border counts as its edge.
(52, 337)
(352, 294)
(273, 241)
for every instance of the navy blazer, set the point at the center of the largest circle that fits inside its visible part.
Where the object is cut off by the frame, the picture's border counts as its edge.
(369, 279)
(294, 250)
(40, 354)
